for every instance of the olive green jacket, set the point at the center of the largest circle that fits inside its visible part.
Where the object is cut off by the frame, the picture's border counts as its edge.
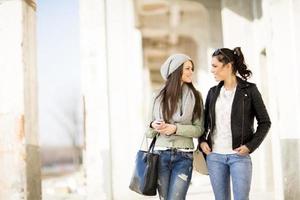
(183, 138)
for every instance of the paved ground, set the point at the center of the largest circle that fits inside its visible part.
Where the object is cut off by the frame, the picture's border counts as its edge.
(71, 187)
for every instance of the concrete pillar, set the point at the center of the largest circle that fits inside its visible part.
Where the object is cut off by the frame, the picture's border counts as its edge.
(97, 156)
(284, 24)
(295, 6)
(113, 89)
(126, 85)
(296, 26)
(20, 176)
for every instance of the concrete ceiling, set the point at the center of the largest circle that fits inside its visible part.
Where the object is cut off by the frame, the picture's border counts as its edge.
(165, 26)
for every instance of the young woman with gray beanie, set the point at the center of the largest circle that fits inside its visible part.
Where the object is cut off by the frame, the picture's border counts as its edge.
(177, 118)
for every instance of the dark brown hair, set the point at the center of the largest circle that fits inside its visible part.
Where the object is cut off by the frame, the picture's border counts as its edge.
(172, 92)
(236, 57)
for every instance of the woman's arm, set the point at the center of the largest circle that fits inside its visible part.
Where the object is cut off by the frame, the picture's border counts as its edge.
(150, 133)
(195, 130)
(206, 118)
(263, 120)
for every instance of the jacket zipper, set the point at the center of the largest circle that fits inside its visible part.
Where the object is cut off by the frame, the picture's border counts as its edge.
(209, 130)
(243, 119)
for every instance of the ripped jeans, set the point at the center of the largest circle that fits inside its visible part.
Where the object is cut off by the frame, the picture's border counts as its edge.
(174, 174)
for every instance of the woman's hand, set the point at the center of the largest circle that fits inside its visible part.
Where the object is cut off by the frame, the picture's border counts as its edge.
(167, 129)
(163, 128)
(242, 150)
(157, 124)
(205, 148)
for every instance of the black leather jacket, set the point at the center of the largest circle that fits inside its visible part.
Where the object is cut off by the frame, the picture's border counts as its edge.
(247, 104)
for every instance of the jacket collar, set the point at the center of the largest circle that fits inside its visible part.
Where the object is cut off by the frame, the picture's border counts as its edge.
(240, 83)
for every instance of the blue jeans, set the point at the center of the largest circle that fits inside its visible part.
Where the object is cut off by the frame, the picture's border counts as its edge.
(174, 174)
(222, 167)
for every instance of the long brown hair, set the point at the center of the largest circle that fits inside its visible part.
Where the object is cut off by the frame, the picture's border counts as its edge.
(172, 92)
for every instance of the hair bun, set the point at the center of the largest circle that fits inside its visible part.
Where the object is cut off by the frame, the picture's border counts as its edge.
(237, 51)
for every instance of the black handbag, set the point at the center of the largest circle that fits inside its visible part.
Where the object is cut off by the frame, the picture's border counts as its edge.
(144, 179)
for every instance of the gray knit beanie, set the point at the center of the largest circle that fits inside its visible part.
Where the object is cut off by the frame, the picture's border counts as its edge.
(172, 63)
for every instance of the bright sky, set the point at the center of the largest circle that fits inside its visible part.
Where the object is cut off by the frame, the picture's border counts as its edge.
(58, 70)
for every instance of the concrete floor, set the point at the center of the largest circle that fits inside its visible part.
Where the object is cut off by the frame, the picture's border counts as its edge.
(71, 187)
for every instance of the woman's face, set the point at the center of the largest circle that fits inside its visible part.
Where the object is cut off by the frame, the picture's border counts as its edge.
(219, 70)
(187, 72)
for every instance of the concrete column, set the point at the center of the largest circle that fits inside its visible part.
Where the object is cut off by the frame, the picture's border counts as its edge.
(284, 24)
(295, 6)
(97, 157)
(112, 80)
(285, 64)
(20, 176)
(296, 25)
(126, 86)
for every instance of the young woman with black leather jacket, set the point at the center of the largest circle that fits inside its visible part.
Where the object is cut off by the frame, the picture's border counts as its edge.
(229, 138)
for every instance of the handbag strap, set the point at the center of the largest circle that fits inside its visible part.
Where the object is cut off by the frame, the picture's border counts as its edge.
(151, 147)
